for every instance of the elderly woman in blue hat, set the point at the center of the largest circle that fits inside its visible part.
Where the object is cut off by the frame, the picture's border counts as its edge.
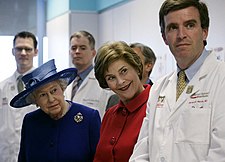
(60, 130)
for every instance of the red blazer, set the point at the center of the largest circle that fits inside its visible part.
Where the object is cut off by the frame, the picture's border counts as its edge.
(120, 128)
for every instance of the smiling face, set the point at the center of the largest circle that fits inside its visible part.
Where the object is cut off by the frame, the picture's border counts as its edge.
(184, 35)
(123, 79)
(50, 98)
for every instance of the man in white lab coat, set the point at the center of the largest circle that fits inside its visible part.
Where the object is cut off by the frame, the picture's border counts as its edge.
(24, 50)
(188, 127)
(88, 92)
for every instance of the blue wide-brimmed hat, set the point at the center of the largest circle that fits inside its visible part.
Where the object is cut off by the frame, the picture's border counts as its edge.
(39, 77)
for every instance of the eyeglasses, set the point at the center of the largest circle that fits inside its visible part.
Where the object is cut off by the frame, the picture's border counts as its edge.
(20, 49)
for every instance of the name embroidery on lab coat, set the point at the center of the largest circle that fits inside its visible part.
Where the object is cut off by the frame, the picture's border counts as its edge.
(200, 95)
(4, 101)
(198, 99)
(160, 102)
(12, 88)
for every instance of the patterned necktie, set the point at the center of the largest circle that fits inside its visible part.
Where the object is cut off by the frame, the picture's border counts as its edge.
(20, 85)
(181, 83)
(75, 86)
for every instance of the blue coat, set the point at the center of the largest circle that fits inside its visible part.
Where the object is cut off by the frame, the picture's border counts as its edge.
(64, 140)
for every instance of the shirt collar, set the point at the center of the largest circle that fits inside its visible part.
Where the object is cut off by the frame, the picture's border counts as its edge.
(149, 81)
(84, 73)
(192, 70)
(18, 74)
(137, 102)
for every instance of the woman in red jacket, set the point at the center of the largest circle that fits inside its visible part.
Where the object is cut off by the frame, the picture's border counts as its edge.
(119, 68)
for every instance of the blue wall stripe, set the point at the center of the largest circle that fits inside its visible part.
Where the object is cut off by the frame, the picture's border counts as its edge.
(58, 7)
(83, 5)
(104, 4)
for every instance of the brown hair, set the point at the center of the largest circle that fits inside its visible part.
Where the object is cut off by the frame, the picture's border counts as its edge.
(174, 5)
(86, 35)
(113, 51)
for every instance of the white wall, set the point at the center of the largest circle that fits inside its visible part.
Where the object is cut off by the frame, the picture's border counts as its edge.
(61, 28)
(7, 60)
(137, 21)
(84, 21)
(216, 38)
(58, 41)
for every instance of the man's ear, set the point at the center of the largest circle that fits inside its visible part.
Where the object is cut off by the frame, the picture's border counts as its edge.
(13, 51)
(164, 38)
(205, 33)
(149, 66)
(35, 52)
(94, 52)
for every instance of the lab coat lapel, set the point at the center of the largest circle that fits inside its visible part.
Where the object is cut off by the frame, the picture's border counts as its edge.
(90, 76)
(170, 91)
(198, 81)
(68, 91)
(195, 85)
(184, 98)
(206, 70)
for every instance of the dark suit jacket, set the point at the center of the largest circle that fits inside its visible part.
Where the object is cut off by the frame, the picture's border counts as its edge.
(44, 139)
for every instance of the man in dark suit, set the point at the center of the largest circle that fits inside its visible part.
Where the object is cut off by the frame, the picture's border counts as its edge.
(148, 60)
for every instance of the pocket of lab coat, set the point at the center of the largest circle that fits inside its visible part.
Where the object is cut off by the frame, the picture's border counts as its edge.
(194, 126)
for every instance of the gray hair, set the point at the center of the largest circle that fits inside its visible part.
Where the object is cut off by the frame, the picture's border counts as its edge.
(31, 97)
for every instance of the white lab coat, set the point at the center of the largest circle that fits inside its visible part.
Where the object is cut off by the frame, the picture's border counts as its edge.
(191, 129)
(90, 94)
(10, 120)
